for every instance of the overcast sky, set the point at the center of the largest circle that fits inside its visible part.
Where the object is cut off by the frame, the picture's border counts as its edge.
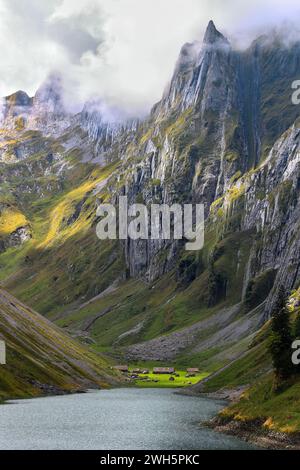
(121, 50)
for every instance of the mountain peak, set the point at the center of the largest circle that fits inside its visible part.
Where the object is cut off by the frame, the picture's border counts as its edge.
(19, 98)
(50, 89)
(212, 35)
(50, 94)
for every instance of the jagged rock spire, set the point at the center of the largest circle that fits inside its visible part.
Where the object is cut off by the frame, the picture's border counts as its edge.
(212, 35)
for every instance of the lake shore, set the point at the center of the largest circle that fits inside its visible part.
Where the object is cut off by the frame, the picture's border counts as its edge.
(249, 431)
(253, 433)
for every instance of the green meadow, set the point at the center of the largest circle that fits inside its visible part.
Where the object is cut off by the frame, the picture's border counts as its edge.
(163, 380)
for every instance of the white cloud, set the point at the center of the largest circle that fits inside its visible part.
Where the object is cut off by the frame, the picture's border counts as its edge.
(121, 50)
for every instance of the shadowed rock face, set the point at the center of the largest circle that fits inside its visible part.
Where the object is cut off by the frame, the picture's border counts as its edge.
(20, 98)
(16, 238)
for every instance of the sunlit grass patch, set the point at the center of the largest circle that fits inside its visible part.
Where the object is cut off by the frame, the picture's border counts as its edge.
(277, 411)
(64, 220)
(10, 220)
(163, 380)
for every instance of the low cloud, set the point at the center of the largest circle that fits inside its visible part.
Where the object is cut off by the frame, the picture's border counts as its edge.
(122, 51)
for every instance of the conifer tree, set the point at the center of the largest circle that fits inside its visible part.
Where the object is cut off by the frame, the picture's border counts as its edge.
(297, 327)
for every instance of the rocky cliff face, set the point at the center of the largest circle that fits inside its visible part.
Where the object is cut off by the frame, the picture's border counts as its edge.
(108, 130)
(266, 203)
(217, 137)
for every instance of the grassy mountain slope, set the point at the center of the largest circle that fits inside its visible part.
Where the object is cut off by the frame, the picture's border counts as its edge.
(57, 264)
(43, 359)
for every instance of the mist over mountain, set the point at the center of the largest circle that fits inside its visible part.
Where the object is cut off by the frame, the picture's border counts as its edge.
(118, 51)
